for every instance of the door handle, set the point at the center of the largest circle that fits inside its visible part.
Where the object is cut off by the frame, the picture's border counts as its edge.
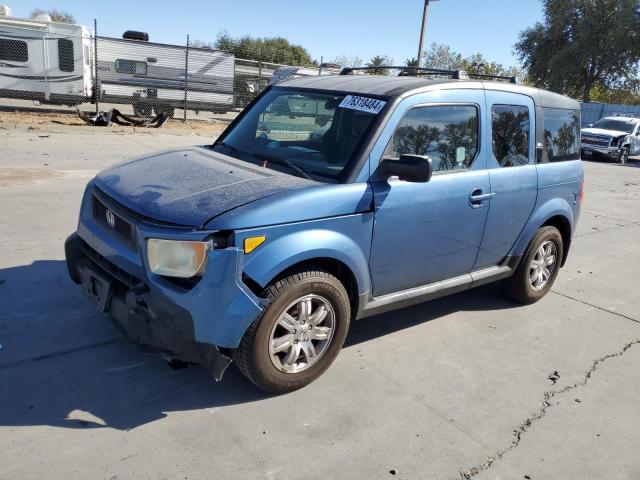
(477, 197)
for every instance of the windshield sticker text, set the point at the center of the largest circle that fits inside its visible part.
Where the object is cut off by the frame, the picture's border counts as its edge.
(363, 104)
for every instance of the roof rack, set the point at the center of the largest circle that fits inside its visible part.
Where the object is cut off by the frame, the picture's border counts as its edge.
(406, 70)
(513, 79)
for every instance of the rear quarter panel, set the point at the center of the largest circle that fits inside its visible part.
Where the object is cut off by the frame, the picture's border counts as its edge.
(558, 192)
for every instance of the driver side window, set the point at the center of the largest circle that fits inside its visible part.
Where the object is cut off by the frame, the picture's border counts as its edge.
(446, 133)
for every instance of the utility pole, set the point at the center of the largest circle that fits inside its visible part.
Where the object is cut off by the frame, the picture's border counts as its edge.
(422, 29)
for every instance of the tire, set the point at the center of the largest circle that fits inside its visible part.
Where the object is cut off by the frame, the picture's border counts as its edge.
(522, 286)
(141, 110)
(258, 356)
(168, 109)
(624, 156)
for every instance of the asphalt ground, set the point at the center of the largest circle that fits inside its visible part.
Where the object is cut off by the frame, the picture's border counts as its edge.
(458, 387)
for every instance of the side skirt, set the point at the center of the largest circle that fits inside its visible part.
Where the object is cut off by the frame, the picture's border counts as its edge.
(370, 305)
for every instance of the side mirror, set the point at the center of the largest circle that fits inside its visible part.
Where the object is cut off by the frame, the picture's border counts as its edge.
(410, 168)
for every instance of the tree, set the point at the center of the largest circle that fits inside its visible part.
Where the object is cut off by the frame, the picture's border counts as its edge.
(275, 50)
(582, 45)
(379, 61)
(345, 61)
(58, 16)
(443, 57)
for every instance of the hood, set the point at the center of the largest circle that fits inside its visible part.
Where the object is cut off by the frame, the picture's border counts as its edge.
(601, 131)
(190, 186)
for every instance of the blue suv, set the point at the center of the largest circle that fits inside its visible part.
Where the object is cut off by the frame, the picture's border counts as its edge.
(330, 199)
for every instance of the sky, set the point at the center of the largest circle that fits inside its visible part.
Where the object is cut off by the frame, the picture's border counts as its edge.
(327, 28)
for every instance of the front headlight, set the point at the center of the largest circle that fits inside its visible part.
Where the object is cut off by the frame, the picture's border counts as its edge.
(175, 258)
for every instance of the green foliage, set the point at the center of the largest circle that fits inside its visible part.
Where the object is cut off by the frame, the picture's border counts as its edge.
(58, 16)
(379, 61)
(274, 50)
(582, 45)
(442, 57)
(628, 94)
(345, 61)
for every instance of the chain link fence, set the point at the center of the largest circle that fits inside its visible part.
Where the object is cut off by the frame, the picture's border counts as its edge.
(61, 67)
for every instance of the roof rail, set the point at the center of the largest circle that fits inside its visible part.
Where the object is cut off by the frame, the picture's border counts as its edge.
(406, 70)
(481, 76)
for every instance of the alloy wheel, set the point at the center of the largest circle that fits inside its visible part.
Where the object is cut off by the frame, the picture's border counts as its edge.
(543, 265)
(302, 334)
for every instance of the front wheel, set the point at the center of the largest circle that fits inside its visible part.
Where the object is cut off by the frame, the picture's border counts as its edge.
(298, 335)
(538, 268)
(623, 157)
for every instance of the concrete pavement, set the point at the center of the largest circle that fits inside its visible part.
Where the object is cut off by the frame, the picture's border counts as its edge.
(453, 388)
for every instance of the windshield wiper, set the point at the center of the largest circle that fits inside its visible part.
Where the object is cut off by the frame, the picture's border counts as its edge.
(284, 162)
(268, 158)
(229, 147)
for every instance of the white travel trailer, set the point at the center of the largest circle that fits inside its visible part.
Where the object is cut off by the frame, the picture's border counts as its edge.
(54, 63)
(152, 75)
(45, 61)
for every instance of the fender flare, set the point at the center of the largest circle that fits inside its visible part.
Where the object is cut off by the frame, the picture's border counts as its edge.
(276, 256)
(551, 208)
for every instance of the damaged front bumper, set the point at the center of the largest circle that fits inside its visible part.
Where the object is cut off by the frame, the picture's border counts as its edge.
(196, 324)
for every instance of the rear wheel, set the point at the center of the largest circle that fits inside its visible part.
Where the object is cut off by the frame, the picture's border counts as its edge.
(142, 110)
(539, 267)
(167, 109)
(298, 335)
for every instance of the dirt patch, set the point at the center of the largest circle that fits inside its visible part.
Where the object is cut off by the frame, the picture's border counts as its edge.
(62, 121)
(10, 177)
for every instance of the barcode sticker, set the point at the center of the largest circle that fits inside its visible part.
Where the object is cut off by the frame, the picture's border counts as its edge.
(363, 104)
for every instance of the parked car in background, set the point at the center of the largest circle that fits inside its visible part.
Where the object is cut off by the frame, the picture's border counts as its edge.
(613, 138)
(331, 199)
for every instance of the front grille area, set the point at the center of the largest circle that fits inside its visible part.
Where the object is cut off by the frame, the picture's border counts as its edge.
(113, 222)
(596, 140)
(109, 267)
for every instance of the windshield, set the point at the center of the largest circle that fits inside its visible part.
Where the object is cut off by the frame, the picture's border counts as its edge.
(303, 133)
(619, 125)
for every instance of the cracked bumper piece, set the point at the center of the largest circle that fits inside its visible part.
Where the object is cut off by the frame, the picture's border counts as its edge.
(190, 325)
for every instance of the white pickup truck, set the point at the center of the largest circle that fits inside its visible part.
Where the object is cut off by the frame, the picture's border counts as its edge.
(612, 137)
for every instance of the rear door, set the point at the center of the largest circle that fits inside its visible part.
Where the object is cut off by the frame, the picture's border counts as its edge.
(512, 173)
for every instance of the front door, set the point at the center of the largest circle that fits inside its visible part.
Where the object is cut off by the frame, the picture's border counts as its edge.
(425, 232)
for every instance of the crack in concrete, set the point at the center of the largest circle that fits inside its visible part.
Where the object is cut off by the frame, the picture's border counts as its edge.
(631, 222)
(60, 353)
(542, 411)
(596, 306)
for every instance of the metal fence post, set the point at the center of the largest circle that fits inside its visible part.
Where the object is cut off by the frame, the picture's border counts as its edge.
(259, 76)
(96, 83)
(186, 82)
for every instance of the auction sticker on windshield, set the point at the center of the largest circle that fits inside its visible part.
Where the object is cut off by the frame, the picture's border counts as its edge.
(363, 104)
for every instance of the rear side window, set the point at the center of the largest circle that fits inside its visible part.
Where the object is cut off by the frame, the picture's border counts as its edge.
(65, 55)
(561, 134)
(448, 134)
(13, 50)
(511, 132)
